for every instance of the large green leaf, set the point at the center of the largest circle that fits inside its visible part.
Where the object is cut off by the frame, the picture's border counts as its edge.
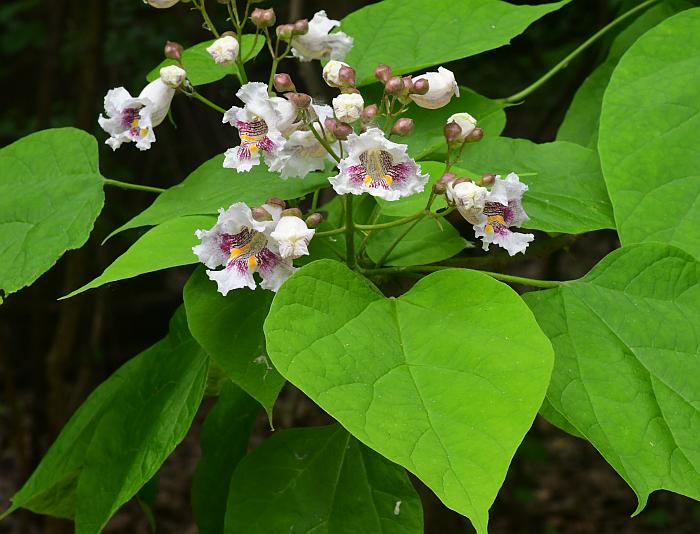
(580, 124)
(230, 330)
(211, 187)
(413, 34)
(627, 369)
(50, 196)
(567, 192)
(200, 66)
(120, 436)
(444, 380)
(650, 134)
(224, 440)
(164, 246)
(320, 480)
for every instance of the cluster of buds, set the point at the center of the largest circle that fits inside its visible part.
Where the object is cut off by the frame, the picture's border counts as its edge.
(461, 128)
(286, 32)
(400, 86)
(263, 18)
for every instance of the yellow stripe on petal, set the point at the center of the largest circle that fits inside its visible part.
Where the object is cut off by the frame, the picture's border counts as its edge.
(252, 262)
(388, 179)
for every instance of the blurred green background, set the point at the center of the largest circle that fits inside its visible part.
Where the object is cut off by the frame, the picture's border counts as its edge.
(59, 58)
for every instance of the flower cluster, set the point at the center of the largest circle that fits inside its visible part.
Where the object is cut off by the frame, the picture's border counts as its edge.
(293, 135)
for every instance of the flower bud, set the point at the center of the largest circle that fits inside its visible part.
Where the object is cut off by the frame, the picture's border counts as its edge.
(313, 220)
(403, 126)
(329, 124)
(346, 75)
(261, 214)
(331, 72)
(447, 178)
(342, 130)
(407, 84)
(439, 188)
(301, 27)
(224, 50)
(394, 85)
(283, 83)
(476, 135)
(382, 72)
(300, 100)
(263, 18)
(162, 4)
(348, 107)
(452, 132)
(469, 198)
(285, 31)
(292, 235)
(420, 86)
(173, 50)
(369, 113)
(466, 124)
(442, 86)
(173, 76)
(488, 179)
(291, 212)
(276, 201)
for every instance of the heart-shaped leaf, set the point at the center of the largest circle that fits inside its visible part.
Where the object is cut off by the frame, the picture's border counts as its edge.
(444, 380)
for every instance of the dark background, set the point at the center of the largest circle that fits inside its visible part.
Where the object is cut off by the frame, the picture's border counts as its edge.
(58, 59)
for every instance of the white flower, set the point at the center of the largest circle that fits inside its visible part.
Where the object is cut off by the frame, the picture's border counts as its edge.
(331, 72)
(469, 198)
(173, 76)
(318, 43)
(133, 119)
(261, 125)
(379, 167)
(441, 87)
(301, 152)
(503, 209)
(465, 121)
(161, 4)
(224, 50)
(242, 246)
(348, 106)
(292, 236)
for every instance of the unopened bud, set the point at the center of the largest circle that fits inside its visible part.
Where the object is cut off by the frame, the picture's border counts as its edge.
(369, 113)
(441, 185)
(394, 85)
(342, 130)
(488, 179)
(301, 27)
(383, 72)
(403, 126)
(173, 50)
(346, 76)
(420, 87)
(283, 83)
(263, 18)
(439, 188)
(330, 124)
(476, 135)
(261, 214)
(276, 201)
(452, 132)
(407, 84)
(313, 220)
(291, 212)
(285, 31)
(300, 100)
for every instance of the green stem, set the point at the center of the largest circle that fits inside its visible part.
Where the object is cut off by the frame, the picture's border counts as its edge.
(241, 70)
(314, 199)
(324, 143)
(207, 20)
(329, 233)
(350, 258)
(517, 97)
(433, 268)
(135, 187)
(396, 241)
(397, 222)
(206, 101)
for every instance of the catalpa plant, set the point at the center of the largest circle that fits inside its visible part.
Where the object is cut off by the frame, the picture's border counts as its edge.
(363, 248)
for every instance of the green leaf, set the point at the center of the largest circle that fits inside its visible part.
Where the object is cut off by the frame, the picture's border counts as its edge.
(50, 196)
(122, 433)
(649, 136)
(429, 241)
(324, 481)
(201, 68)
(211, 187)
(627, 368)
(224, 440)
(566, 189)
(389, 32)
(444, 380)
(164, 246)
(230, 330)
(581, 122)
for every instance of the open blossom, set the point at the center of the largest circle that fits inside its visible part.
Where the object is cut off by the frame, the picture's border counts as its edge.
(379, 167)
(469, 198)
(132, 119)
(466, 124)
(441, 87)
(301, 152)
(502, 210)
(243, 246)
(261, 124)
(348, 106)
(292, 236)
(224, 50)
(319, 43)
